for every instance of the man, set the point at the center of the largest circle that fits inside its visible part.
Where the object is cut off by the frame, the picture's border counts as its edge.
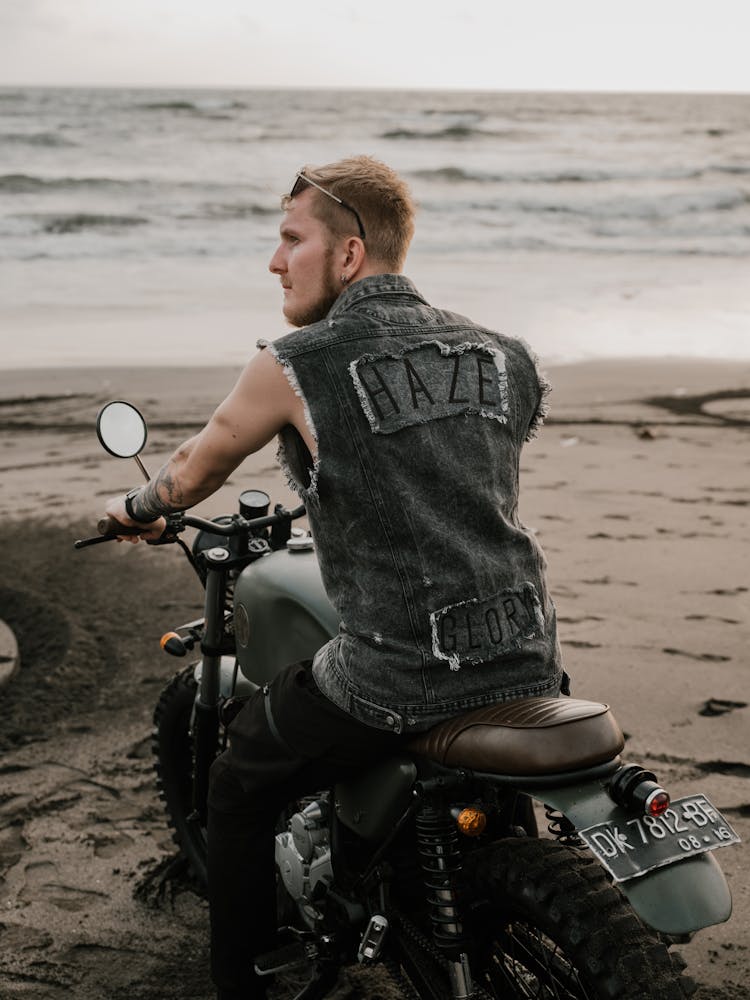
(401, 426)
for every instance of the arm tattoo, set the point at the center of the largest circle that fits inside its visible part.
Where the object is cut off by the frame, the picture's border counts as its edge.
(150, 502)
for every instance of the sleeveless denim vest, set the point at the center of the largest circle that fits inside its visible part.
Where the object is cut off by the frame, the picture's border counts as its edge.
(419, 417)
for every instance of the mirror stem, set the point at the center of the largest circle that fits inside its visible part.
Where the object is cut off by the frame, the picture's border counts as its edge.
(142, 467)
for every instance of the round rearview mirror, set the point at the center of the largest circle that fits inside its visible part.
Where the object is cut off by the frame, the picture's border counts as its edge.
(121, 429)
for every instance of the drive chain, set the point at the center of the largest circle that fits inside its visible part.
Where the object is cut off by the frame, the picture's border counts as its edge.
(435, 971)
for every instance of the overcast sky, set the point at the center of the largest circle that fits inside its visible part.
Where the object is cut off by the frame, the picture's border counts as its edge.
(699, 45)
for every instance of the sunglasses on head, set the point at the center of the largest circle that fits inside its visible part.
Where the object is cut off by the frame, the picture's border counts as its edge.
(301, 181)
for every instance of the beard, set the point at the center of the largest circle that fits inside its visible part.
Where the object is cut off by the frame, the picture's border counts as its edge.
(318, 308)
(314, 311)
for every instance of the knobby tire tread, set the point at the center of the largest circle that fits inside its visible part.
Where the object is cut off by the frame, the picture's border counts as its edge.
(567, 896)
(172, 747)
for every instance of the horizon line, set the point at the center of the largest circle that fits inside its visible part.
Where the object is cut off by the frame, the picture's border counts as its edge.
(340, 88)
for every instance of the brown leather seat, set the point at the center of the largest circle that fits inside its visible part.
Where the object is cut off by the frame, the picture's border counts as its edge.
(531, 736)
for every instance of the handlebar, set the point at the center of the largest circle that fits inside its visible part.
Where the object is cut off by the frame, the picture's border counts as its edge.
(109, 529)
(240, 524)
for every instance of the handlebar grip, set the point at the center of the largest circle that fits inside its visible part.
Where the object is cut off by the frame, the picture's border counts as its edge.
(108, 530)
(108, 526)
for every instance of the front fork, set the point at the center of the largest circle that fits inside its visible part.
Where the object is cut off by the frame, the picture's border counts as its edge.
(206, 722)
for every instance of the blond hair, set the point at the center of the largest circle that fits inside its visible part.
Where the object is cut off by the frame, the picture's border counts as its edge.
(381, 198)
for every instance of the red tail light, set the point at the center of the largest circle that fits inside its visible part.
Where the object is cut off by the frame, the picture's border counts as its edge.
(635, 788)
(657, 803)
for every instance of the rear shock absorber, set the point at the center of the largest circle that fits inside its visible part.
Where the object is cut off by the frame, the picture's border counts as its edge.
(440, 858)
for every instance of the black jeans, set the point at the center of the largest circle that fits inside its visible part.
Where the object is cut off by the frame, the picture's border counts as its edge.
(315, 745)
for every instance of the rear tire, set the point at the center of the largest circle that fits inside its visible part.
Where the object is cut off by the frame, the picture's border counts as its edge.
(172, 744)
(552, 926)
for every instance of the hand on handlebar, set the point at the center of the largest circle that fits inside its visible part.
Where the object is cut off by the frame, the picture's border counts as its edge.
(116, 512)
(166, 530)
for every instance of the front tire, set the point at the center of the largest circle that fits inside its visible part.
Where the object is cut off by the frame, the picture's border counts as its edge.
(172, 744)
(550, 925)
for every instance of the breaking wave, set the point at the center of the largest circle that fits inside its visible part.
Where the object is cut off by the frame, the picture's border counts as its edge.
(239, 210)
(655, 208)
(29, 183)
(167, 106)
(454, 132)
(208, 107)
(732, 168)
(36, 139)
(459, 175)
(76, 222)
(643, 208)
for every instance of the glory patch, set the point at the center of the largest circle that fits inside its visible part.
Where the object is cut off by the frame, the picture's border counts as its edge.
(431, 381)
(484, 628)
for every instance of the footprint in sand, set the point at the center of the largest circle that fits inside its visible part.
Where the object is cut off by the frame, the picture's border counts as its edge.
(109, 845)
(731, 767)
(720, 706)
(705, 657)
(617, 538)
(712, 618)
(577, 621)
(604, 581)
(42, 885)
(12, 846)
(14, 938)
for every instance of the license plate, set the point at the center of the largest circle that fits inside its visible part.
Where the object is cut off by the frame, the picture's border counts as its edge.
(629, 846)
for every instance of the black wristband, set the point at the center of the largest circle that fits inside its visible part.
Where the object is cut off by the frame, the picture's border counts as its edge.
(129, 497)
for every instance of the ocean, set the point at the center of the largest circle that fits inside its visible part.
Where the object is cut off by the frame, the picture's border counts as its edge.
(136, 225)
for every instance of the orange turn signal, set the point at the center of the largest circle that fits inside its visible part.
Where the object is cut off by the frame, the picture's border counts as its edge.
(173, 644)
(471, 821)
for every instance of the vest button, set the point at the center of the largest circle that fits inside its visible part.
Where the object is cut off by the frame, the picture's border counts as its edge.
(390, 721)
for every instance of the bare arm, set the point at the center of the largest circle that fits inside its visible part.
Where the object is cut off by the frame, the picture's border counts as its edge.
(261, 403)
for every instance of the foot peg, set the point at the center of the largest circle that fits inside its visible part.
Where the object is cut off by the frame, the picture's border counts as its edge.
(303, 951)
(288, 956)
(372, 939)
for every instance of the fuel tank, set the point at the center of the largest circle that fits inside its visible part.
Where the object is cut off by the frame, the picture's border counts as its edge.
(281, 613)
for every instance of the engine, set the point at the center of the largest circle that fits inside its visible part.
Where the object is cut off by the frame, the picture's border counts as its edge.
(303, 857)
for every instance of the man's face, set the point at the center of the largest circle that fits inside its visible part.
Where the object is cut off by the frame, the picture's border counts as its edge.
(305, 261)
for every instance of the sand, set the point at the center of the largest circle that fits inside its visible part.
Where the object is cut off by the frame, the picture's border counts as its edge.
(637, 489)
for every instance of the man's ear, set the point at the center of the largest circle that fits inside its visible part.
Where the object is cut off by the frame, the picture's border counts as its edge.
(354, 254)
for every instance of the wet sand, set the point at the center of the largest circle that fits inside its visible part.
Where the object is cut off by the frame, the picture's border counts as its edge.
(638, 490)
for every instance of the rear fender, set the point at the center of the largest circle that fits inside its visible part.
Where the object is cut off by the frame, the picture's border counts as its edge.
(676, 899)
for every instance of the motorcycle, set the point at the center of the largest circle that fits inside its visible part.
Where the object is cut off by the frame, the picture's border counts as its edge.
(431, 862)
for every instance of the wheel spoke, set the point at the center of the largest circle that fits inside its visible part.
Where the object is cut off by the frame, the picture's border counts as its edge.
(533, 966)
